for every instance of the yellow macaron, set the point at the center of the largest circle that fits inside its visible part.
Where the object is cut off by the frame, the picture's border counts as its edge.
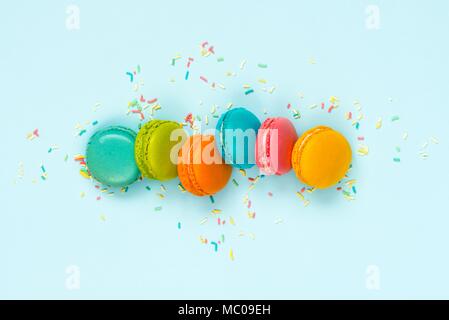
(321, 157)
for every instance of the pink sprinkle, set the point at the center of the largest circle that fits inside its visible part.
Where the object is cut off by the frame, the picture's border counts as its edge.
(189, 118)
(219, 221)
(349, 115)
(205, 43)
(142, 99)
(330, 109)
(98, 198)
(36, 132)
(289, 106)
(361, 138)
(204, 79)
(211, 50)
(189, 61)
(270, 194)
(249, 204)
(142, 116)
(303, 189)
(152, 101)
(322, 105)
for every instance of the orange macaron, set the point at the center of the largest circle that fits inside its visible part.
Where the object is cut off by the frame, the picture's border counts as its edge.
(321, 157)
(201, 169)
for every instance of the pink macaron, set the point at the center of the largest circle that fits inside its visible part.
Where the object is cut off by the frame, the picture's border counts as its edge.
(275, 141)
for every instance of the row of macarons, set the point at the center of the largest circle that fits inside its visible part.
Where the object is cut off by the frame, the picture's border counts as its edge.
(116, 156)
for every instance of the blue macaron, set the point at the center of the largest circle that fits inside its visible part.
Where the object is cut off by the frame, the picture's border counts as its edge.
(236, 137)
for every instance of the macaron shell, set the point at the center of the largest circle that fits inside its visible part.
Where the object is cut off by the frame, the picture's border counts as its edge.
(239, 154)
(185, 168)
(278, 152)
(323, 157)
(201, 177)
(110, 156)
(159, 149)
(154, 148)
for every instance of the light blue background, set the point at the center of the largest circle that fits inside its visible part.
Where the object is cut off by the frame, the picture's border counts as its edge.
(51, 78)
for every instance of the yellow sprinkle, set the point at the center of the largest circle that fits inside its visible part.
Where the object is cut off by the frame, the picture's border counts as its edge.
(262, 81)
(251, 215)
(160, 195)
(246, 86)
(333, 100)
(300, 195)
(231, 221)
(350, 182)
(252, 236)
(82, 194)
(363, 150)
(243, 172)
(216, 211)
(84, 174)
(379, 123)
(231, 254)
(103, 217)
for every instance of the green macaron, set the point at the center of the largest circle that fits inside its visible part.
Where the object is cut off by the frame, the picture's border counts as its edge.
(155, 149)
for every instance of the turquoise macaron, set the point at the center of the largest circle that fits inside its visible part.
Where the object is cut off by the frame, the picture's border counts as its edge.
(110, 156)
(236, 134)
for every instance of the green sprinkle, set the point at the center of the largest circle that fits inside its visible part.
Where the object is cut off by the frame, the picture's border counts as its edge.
(148, 188)
(43, 169)
(398, 149)
(66, 157)
(235, 182)
(157, 208)
(357, 125)
(222, 238)
(220, 59)
(82, 132)
(247, 92)
(138, 68)
(396, 159)
(262, 65)
(353, 189)
(394, 118)
(187, 75)
(212, 199)
(179, 225)
(173, 62)
(95, 123)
